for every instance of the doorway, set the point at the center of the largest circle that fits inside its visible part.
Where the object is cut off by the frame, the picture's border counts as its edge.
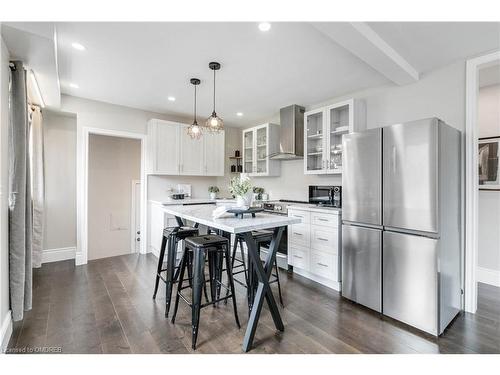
(117, 221)
(477, 69)
(113, 163)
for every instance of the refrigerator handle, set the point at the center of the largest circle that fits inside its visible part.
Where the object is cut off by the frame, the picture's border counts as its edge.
(394, 159)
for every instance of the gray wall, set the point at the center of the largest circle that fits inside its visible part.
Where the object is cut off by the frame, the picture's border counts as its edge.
(59, 130)
(489, 201)
(114, 163)
(4, 182)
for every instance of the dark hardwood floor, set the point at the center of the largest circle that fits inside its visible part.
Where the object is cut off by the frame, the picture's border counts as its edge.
(106, 307)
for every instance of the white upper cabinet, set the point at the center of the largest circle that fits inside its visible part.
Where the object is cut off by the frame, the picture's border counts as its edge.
(163, 147)
(214, 154)
(323, 131)
(192, 154)
(170, 151)
(258, 143)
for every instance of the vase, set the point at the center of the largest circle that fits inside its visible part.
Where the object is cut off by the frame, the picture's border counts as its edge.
(213, 196)
(244, 200)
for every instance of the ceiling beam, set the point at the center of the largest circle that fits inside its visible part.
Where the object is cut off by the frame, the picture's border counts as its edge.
(362, 41)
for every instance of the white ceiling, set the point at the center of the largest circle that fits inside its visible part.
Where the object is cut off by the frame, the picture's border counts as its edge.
(141, 64)
(431, 45)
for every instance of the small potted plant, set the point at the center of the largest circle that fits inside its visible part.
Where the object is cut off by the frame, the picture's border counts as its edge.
(257, 193)
(213, 190)
(241, 188)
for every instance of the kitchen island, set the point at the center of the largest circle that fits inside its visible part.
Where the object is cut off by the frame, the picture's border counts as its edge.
(229, 224)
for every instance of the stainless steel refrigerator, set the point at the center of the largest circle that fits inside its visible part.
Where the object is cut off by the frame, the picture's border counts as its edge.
(401, 222)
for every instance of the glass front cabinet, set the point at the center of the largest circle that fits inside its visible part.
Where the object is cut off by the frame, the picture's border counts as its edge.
(323, 130)
(258, 143)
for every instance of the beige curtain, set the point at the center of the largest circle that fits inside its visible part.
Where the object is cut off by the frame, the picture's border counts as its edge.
(37, 183)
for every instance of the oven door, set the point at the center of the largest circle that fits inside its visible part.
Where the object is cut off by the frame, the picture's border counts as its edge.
(281, 254)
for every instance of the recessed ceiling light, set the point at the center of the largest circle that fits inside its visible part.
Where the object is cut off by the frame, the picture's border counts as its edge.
(74, 86)
(264, 26)
(239, 114)
(171, 99)
(78, 46)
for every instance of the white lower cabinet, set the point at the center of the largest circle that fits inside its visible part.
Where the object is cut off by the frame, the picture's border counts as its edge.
(313, 246)
(158, 220)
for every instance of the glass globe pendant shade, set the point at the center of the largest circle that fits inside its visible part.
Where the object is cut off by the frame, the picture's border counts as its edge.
(214, 123)
(194, 131)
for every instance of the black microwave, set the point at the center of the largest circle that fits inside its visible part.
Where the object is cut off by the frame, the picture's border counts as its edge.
(329, 196)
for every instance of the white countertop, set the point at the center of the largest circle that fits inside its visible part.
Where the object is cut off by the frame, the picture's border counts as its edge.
(191, 201)
(314, 208)
(229, 223)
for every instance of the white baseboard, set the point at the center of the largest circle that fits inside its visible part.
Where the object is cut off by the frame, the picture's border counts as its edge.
(6, 331)
(488, 276)
(56, 255)
(155, 252)
(335, 285)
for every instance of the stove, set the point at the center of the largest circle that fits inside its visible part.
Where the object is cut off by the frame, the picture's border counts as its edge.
(278, 207)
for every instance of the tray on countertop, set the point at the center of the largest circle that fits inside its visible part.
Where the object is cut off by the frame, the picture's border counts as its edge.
(239, 212)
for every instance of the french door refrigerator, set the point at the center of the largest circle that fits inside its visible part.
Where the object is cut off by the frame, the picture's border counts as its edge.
(402, 222)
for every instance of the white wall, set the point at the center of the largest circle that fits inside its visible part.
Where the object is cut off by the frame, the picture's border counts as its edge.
(59, 130)
(489, 201)
(440, 93)
(5, 321)
(102, 115)
(114, 163)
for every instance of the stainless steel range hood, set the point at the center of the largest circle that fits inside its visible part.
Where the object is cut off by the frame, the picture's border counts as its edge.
(291, 134)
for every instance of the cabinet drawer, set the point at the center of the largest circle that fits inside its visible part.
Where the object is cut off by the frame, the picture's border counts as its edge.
(299, 257)
(324, 239)
(327, 220)
(325, 265)
(299, 234)
(303, 215)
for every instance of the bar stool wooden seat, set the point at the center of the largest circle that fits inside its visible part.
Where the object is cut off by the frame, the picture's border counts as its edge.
(199, 248)
(171, 236)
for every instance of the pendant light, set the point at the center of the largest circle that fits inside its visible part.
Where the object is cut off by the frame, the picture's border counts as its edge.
(194, 130)
(214, 123)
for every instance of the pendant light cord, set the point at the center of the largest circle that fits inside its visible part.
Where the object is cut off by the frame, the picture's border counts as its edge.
(214, 90)
(195, 103)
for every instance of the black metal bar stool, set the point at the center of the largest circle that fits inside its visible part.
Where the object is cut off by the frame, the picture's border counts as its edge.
(172, 236)
(261, 237)
(200, 247)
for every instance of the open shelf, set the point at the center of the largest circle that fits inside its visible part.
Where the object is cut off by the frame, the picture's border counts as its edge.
(315, 136)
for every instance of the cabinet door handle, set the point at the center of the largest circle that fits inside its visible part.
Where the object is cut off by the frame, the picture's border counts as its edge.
(322, 264)
(296, 256)
(320, 219)
(322, 239)
(298, 216)
(298, 234)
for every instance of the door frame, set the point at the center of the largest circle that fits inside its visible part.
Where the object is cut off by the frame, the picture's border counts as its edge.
(471, 171)
(132, 216)
(83, 136)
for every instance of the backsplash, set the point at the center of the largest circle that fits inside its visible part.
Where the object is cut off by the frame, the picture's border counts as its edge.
(159, 186)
